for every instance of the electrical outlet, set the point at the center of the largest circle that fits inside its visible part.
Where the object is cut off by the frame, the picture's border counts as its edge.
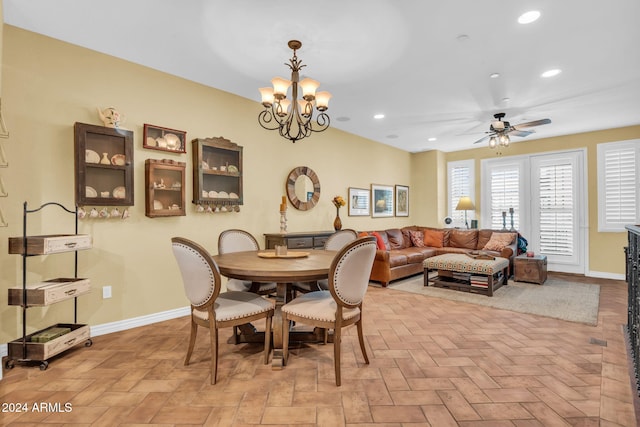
(106, 292)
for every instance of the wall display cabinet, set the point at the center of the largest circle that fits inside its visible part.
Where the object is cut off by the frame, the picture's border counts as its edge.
(103, 165)
(217, 173)
(632, 253)
(164, 139)
(46, 343)
(164, 188)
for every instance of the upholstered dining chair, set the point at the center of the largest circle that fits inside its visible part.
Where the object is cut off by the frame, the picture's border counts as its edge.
(341, 305)
(335, 242)
(234, 240)
(211, 308)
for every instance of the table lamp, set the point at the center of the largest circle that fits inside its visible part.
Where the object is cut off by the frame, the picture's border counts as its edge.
(465, 204)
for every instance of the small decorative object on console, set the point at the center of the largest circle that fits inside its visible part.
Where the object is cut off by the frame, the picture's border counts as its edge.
(111, 117)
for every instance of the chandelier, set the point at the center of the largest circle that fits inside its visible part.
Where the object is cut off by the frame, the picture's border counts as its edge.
(294, 119)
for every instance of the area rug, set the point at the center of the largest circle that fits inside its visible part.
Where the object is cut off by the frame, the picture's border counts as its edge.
(557, 298)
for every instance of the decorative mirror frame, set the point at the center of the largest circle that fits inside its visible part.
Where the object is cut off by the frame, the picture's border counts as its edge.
(291, 188)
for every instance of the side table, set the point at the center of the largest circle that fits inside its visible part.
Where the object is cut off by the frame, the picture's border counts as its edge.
(530, 269)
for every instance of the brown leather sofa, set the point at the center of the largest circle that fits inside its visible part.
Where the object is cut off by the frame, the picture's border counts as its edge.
(402, 258)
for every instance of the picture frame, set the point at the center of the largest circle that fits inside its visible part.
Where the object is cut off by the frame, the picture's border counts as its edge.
(382, 200)
(359, 202)
(164, 139)
(402, 200)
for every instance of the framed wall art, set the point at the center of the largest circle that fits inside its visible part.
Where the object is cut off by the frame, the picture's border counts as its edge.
(382, 200)
(359, 202)
(164, 139)
(402, 200)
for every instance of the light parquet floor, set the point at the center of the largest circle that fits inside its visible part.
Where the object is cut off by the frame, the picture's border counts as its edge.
(433, 363)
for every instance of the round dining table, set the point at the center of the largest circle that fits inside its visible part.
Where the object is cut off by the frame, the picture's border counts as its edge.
(265, 266)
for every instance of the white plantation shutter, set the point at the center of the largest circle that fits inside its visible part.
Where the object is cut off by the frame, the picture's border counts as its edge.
(618, 185)
(505, 194)
(556, 207)
(460, 184)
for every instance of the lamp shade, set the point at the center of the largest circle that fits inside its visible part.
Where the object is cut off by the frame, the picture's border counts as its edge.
(465, 204)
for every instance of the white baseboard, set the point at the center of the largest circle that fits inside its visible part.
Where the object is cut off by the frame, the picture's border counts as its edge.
(123, 325)
(605, 275)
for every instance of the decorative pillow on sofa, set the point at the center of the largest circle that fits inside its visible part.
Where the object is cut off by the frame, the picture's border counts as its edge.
(499, 241)
(434, 238)
(379, 242)
(417, 238)
(467, 239)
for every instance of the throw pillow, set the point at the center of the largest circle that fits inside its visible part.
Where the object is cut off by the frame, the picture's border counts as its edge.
(417, 238)
(499, 241)
(379, 241)
(434, 238)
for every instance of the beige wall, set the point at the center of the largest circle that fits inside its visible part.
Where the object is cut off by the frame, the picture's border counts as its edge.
(605, 251)
(49, 85)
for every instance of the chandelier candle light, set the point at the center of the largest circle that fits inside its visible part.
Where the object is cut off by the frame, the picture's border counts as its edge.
(294, 119)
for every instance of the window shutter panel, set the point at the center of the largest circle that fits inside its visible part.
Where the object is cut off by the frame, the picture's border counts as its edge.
(505, 194)
(620, 186)
(556, 209)
(460, 185)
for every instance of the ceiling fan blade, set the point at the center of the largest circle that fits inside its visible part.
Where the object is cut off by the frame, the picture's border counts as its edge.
(521, 133)
(533, 123)
(483, 138)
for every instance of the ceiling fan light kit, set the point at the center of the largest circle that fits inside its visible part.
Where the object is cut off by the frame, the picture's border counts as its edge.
(294, 119)
(500, 131)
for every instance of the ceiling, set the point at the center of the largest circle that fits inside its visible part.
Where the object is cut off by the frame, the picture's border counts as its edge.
(425, 65)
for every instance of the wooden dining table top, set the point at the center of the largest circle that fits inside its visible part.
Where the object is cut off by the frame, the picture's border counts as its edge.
(250, 266)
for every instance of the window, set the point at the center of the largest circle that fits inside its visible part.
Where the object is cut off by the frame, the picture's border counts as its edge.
(504, 195)
(460, 183)
(618, 185)
(556, 209)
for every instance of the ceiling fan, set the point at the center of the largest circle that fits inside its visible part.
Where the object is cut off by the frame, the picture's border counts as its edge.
(499, 130)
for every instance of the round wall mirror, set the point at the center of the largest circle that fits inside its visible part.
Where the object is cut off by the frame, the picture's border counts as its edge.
(303, 188)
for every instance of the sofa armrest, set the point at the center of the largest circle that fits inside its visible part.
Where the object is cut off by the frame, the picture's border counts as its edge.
(507, 252)
(382, 256)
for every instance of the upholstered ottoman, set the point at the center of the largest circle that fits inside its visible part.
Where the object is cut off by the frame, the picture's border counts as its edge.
(465, 273)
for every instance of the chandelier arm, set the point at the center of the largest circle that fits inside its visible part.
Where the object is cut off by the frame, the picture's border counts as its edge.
(267, 116)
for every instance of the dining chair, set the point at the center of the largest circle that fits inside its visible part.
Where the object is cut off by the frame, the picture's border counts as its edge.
(211, 308)
(234, 240)
(335, 242)
(341, 305)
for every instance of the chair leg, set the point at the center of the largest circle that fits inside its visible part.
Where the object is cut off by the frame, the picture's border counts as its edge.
(361, 339)
(267, 339)
(285, 339)
(337, 338)
(213, 333)
(236, 337)
(192, 342)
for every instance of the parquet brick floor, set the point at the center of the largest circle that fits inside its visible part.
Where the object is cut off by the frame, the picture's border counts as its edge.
(433, 363)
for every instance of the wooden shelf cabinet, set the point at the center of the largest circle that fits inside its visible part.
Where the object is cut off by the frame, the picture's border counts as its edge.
(164, 188)
(103, 165)
(217, 172)
(297, 240)
(24, 349)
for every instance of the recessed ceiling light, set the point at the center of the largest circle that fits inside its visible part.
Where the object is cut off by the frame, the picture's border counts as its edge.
(551, 73)
(494, 75)
(343, 119)
(432, 139)
(529, 17)
(506, 99)
(462, 38)
(379, 116)
(392, 136)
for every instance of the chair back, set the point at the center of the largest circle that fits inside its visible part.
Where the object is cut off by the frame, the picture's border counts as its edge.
(337, 240)
(350, 271)
(236, 241)
(200, 274)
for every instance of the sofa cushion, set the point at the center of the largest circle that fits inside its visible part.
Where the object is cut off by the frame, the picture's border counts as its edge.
(396, 241)
(499, 241)
(483, 237)
(417, 238)
(379, 239)
(406, 236)
(434, 238)
(467, 239)
(397, 258)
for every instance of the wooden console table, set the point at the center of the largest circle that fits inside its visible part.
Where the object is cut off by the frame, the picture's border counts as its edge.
(297, 240)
